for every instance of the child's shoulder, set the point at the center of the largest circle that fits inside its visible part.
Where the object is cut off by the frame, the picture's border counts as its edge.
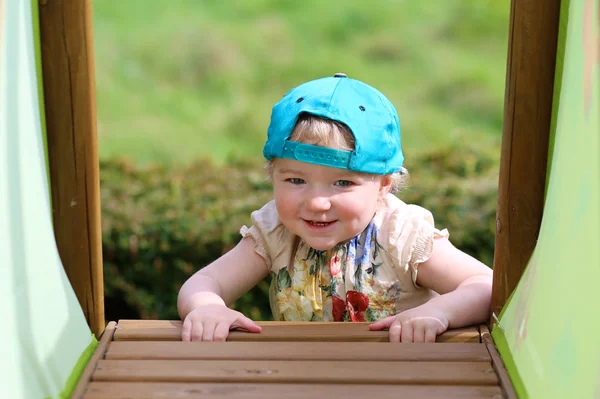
(396, 209)
(266, 218)
(400, 221)
(272, 240)
(407, 232)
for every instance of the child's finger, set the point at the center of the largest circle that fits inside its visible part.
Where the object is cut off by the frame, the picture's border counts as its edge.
(394, 332)
(430, 335)
(209, 331)
(221, 331)
(407, 333)
(196, 332)
(419, 335)
(247, 324)
(382, 324)
(186, 330)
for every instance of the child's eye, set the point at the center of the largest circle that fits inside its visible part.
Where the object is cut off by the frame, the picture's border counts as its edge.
(344, 183)
(295, 180)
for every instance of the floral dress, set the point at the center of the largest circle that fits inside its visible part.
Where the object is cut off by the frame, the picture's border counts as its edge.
(368, 278)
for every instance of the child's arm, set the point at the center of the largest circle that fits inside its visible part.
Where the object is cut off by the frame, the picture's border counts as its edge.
(464, 285)
(203, 298)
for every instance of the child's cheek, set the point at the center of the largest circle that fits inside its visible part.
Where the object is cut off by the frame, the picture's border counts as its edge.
(285, 205)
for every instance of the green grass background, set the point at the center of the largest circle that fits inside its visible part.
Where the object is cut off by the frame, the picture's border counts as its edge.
(187, 79)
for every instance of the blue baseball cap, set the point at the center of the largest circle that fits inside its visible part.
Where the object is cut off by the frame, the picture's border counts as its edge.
(370, 116)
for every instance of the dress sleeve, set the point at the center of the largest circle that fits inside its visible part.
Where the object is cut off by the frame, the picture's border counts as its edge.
(272, 241)
(411, 235)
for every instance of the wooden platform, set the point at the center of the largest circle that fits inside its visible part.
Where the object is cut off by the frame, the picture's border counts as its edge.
(146, 359)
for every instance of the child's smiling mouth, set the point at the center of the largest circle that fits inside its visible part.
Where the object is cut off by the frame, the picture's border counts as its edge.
(314, 223)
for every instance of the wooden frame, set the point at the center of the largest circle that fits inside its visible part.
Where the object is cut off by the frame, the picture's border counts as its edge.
(525, 135)
(498, 364)
(68, 71)
(66, 39)
(105, 340)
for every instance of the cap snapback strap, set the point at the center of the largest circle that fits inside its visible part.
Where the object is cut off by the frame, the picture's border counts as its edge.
(316, 154)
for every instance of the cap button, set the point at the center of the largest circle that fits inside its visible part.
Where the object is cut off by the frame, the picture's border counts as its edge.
(340, 75)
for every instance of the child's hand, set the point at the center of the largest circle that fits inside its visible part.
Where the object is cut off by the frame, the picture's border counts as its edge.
(421, 324)
(212, 323)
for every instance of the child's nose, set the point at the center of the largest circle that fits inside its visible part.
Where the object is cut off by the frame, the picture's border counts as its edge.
(318, 203)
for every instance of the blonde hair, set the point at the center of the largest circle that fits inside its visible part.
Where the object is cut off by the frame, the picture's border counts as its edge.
(311, 129)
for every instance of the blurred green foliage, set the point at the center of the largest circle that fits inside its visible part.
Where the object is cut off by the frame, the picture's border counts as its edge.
(161, 224)
(184, 94)
(183, 80)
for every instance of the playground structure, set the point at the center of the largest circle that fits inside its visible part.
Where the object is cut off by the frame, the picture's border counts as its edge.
(546, 262)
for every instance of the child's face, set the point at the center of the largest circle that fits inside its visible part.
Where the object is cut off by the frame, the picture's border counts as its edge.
(325, 206)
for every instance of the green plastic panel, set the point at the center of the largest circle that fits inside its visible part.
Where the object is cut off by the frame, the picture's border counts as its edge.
(547, 333)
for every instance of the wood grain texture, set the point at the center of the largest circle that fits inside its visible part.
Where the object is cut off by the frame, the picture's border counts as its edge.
(498, 365)
(136, 390)
(529, 87)
(66, 38)
(170, 330)
(344, 351)
(101, 349)
(167, 369)
(297, 371)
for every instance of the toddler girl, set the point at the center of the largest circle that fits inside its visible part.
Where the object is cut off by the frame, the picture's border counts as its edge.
(337, 242)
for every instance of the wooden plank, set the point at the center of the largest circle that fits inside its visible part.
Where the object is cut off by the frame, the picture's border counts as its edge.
(458, 335)
(86, 376)
(498, 364)
(527, 115)
(128, 324)
(152, 350)
(129, 390)
(140, 323)
(297, 371)
(170, 330)
(66, 37)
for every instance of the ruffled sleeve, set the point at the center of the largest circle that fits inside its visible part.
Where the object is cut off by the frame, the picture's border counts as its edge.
(272, 241)
(411, 234)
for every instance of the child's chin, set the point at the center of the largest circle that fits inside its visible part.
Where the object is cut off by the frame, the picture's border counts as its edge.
(321, 245)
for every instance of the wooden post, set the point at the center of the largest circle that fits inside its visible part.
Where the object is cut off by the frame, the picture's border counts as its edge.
(525, 134)
(70, 104)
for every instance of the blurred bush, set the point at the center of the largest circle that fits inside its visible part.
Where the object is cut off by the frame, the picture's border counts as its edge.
(160, 224)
